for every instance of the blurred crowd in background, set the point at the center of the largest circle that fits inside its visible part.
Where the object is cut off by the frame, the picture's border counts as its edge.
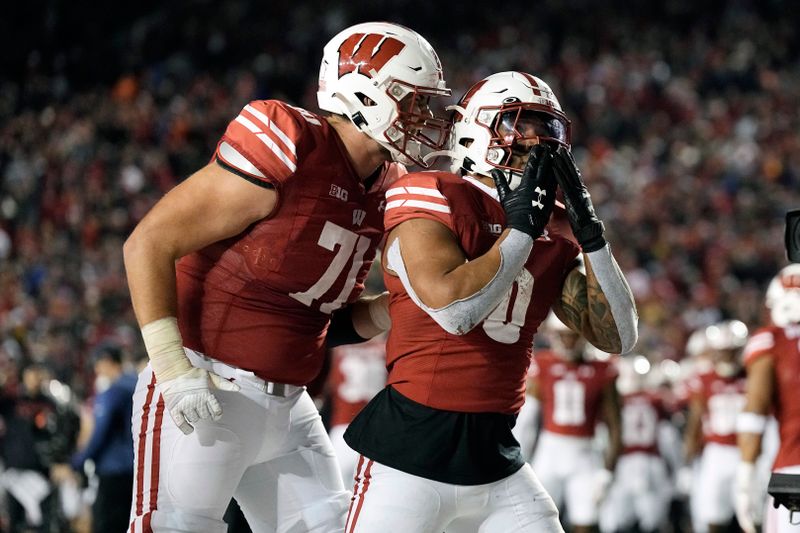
(685, 124)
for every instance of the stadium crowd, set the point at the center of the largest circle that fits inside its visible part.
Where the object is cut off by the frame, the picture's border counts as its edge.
(684, 119)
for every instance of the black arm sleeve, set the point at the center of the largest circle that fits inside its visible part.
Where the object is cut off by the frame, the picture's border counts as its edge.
(341, 330)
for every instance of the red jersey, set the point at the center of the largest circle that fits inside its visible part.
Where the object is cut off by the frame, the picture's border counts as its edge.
(483, 370)
(571, 392)
(642, 412)
(261, 300)
(781, 344)
(358, 372)
(723, 400)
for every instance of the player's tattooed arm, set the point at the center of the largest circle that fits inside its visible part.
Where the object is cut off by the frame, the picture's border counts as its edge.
(584, 308)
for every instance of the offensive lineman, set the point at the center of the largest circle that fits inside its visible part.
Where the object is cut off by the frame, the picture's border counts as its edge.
(466, 296)
(273, 235)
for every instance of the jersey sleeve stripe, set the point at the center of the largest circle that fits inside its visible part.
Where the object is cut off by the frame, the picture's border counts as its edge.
(421, 191)
(439, 208)
(264, 119)
(759, 342)
(269, 143)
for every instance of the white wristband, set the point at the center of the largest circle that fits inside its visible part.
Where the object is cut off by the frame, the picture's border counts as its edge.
(164, 345)
(461, 316)
(618, 294)
(750, 423)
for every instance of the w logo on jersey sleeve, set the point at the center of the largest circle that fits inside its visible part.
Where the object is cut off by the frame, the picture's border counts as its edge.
(365, 53)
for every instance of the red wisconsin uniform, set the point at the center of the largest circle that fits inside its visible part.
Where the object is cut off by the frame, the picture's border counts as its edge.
(261, 300)
(484, 370)
(571, 392)
(358, 372)
(642, 412)
(723, 400)
(781, 344)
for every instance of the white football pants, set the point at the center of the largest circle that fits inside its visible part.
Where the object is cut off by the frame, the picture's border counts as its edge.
(639, 495)
(715, 483)
(568, 469)
(390, 501)
(269, 452)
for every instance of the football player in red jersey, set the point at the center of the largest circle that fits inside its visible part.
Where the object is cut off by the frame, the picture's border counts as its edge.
(358, 372)
(717, 398)
(473, 265)
(575, 394)
(638, 499)
(772, 358)
(273, 235)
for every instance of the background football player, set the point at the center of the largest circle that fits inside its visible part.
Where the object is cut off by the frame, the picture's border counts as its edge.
(575, 393)
(640, 494)
(717, 397)
(772, 357)
(358, 372)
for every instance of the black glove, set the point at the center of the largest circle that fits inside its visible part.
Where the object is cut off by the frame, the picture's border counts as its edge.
(528, 207)
(586, 227)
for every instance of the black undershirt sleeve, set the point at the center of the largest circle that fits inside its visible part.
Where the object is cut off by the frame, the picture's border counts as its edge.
(341, 330)
(251, 179)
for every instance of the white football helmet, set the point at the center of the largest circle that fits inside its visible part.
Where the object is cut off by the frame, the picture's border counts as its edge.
(726, 339)
(697, 345)
(633, 371)
(381, 76)
(496, 114)
(783, 296)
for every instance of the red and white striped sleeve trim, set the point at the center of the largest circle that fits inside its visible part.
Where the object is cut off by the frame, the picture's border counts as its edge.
(262, 141)
(419, 197)
(758, 345)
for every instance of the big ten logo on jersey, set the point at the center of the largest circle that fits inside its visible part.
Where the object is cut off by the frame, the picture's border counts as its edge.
(338, 192)
(367, 53)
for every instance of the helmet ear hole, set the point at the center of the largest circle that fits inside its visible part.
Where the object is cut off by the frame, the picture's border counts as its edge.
(465, 141)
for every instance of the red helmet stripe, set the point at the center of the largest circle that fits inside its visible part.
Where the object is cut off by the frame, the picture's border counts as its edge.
(534, 84)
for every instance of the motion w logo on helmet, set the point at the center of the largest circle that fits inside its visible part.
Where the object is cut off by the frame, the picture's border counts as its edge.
(364, 53)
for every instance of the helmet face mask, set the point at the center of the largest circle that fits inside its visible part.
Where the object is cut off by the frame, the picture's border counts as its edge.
(500, 118)
(515, 129)
(416, 133)
(381, 76)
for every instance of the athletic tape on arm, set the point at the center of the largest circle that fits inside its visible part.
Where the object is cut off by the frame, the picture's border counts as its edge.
(618, 294)
(164, 345)
(459, 317)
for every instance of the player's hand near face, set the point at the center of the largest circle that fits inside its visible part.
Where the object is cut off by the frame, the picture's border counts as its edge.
(586, 227)
(528, 207)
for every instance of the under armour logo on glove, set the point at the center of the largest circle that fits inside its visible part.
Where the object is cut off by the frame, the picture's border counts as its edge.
(528, 207)
(537, 203)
